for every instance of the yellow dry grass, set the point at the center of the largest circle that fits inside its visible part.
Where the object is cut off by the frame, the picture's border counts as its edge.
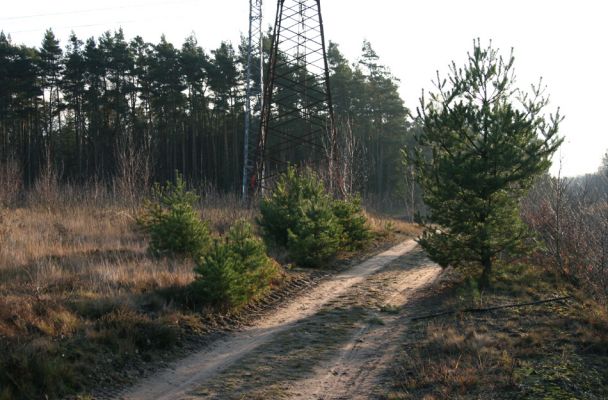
(57, 255)
(521, 352)
(62, 254)
(80, 295)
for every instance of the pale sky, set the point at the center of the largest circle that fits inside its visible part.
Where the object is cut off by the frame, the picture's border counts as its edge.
(558, 40)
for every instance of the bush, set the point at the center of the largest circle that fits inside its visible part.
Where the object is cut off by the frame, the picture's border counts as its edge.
(301, 216)
(288, 203)
(35, 373)
(173, 225)
(316, 237)
(356, 232)
(236, 269)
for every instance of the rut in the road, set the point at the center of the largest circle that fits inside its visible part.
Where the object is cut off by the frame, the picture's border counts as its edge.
(197, 376)
(356, 369)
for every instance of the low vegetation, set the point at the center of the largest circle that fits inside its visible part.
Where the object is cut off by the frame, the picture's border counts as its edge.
(82, 298)
(172, 224)
(354, 223)
(570, 219)
(301, 216)
(90, 287)
(555, 350)
(236, 269)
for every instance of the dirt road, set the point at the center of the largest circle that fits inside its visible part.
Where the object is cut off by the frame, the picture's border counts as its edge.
(328, 343)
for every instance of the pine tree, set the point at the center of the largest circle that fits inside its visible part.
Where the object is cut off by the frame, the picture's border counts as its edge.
(73, 86)
(488, 140)
(224, 79)
(167, 101)
(194, 65)
(51, 68)
(181, 107)
(341, 81)
(383, 118)
(604, 166)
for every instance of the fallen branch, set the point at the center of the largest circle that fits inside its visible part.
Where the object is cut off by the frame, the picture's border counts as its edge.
(480, 310)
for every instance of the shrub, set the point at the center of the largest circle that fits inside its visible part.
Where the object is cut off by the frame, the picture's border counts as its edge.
(236, 269)
(301, 216)
(173, 225)
(287, 204)
(316, 237)
(356, 232)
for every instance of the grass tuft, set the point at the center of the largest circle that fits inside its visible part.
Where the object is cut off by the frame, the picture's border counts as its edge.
(555, 350)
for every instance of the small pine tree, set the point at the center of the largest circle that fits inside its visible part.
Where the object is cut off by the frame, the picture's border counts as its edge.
(217, 276)
(288, 203)
(236, 269)
(316, 237)
(172, 223)
(486, 149)
(254, 266)
(356, 232)
(300, 215)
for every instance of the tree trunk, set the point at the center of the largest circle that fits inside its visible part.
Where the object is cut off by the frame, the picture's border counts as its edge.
(484, 281)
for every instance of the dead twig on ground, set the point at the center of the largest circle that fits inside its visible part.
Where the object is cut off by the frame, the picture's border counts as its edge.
(480, 310)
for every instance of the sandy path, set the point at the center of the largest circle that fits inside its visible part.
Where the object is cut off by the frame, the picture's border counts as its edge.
(356, 370)
(188, 374)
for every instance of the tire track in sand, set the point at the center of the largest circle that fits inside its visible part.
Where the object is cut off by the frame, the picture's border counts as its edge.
(191, 372)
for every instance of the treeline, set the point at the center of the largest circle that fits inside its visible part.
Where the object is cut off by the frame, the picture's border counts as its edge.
(104, 108)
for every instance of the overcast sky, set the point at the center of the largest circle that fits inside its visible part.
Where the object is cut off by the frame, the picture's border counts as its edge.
(562, 41)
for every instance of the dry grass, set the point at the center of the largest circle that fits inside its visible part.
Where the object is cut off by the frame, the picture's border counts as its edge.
(77, 285)
(73, 282)
(79, 252)
(90, 250)
(555, 350)
(80, 298)
(385, 225)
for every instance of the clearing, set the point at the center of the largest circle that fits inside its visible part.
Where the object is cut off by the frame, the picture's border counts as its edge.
(331, 342)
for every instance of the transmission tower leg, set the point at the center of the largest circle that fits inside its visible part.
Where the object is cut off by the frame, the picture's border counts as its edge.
(297, 121)
(253, 88)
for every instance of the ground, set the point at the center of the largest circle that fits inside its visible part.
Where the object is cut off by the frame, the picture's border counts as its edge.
(86, 312)
(553, 350)
(325, 343)
(370, 333)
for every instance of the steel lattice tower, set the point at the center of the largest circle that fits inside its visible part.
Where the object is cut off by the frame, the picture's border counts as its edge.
(253, 90)
(297, 121)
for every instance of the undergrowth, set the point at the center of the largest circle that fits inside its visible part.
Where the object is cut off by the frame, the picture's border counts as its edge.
(85, 302)
(236, 270)
(556, 350)
(301, 216)
(172, 223)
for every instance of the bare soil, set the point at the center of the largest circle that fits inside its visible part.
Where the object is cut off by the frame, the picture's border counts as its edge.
(331, 342)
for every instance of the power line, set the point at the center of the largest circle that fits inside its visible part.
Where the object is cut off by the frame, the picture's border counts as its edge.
(75, 26)
(131, 21)
(94, 10)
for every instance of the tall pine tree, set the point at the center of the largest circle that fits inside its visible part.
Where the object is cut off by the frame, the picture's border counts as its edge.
(488, 140)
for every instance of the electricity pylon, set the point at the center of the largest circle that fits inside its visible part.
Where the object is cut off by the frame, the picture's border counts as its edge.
(253, 90)
(297, 120)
